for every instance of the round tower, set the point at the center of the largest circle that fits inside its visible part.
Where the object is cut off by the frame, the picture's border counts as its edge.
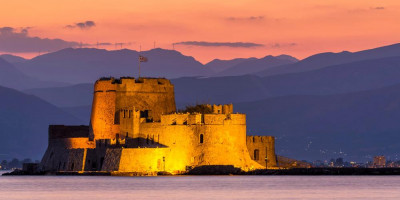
(152, 96)
(102, 120)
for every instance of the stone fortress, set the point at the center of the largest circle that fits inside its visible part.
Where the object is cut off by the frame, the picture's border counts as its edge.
(135, 129)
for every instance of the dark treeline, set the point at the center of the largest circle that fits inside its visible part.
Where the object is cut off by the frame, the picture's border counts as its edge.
(15, 163)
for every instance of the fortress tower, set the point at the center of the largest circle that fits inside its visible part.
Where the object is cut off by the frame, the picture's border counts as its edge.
(134, 129)
(153, 97)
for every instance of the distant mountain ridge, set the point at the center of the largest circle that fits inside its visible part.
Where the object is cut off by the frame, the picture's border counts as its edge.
(12, 58)
(87, 65)
(69, 96)
(11, 77)
(360, 124)
(252, 65)
(24, 121)
(322, 60)
(345, 78)
(218, 65)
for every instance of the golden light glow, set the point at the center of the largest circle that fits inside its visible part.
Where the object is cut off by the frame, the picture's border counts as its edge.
(313, 26)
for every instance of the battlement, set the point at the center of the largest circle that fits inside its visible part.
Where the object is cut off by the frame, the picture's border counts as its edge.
(131, 84)
(259, 139)
(221, 109)
(207, 119)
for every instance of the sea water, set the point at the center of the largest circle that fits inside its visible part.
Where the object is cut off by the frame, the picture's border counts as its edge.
(199, 187)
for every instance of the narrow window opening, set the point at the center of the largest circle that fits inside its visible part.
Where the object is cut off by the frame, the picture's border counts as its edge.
(201, 138)
(256, 154)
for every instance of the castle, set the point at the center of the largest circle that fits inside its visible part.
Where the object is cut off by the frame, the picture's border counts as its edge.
(135, 128)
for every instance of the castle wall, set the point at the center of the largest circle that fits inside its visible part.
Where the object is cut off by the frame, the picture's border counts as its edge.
(69, 137)
(61, 159)
(147, 160)
(223, 140)
(261, 147)
(112, 159)
(129, 123)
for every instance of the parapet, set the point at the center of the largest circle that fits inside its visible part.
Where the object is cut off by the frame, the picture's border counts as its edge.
(69, 137)
(175, 119)
(61, 132)
(129, 84)
(221, 109)
(259, 139)
(207, 119)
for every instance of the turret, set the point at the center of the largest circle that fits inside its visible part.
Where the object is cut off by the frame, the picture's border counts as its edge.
(151, 95)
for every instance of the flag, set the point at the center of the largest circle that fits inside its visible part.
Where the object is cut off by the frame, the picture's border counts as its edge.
(142, 59)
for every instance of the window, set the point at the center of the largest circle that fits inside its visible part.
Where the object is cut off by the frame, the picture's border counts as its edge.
(256, 154)
(116, 117)
(201, 138)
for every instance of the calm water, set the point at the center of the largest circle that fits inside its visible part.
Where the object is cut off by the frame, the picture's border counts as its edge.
(199, 187)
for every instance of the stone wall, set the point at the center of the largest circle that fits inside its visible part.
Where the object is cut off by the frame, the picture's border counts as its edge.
(62, 159)
(262, 148)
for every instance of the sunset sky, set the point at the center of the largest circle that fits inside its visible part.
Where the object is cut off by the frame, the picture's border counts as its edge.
(202, 29)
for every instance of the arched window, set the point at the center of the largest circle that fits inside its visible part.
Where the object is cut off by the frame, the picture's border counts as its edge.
(201, 138)
(256, 154)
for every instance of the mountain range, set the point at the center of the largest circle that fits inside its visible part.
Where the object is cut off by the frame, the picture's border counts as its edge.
(24, 121)
(87, 65)
(237, 67)
(356, 126)
(322, 60)
(11, 77)
(325, 106)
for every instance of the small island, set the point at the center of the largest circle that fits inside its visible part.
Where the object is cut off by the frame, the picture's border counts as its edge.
(136, 130)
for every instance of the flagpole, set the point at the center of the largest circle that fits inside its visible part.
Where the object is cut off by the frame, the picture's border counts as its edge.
(140, 50)
(139, 67)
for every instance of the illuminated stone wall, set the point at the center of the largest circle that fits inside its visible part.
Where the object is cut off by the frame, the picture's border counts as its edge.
(134, 128)
(262, 148)
(112, 95)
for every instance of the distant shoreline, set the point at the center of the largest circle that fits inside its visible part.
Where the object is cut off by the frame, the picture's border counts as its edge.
(269, 172)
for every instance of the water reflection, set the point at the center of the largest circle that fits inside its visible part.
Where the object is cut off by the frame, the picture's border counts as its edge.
(199, 187)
